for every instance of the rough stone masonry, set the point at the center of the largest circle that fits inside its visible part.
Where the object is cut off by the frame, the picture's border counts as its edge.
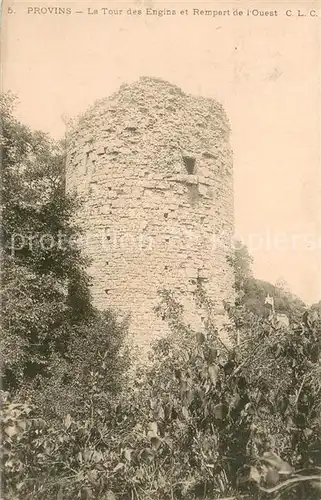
(154, 167)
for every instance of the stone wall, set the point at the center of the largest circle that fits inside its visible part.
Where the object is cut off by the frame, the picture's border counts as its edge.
(154, 166)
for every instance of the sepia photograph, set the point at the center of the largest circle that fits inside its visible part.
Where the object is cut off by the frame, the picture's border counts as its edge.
(160, 250)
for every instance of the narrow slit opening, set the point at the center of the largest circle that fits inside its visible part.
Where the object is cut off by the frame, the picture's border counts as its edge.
(189, 163)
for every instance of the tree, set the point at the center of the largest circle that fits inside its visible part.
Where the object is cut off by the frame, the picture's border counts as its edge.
(251, 292)
(45, 288)
(316, 306)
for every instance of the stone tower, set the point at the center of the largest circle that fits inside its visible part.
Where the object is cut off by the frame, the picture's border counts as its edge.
(154, 167)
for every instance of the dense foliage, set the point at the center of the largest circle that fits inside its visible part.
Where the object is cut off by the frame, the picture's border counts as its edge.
(251, 292)
(200, 422)
(44, 285)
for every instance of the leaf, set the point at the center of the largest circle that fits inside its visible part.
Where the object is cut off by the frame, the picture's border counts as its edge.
(185, 412)
(183, 385)
(152, 428)
(316, 485)
(87, 455)
(128, 454)
(97, 456)
(200, 337)
(212, 354)
(254, 475)
(235, 400)
(22, 424)
(207, 388)
(92, 476)
(229, 367)
(150, 434)
(218, 411)
(11, 430)
(109, 496)
(60, 494)
(190, 395)
(118, 467)
(147, 454)
(156, 442)
(67, 421)
(289, 423)
(161, 481)
(87, 493)
(161, 413)
(272, 477)
(275, 461)
(152, 403)
(213, 372)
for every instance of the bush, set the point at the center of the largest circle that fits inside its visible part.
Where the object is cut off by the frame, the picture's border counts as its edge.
(92, 373)
(251, 292)
(201, 421)
(53, 421)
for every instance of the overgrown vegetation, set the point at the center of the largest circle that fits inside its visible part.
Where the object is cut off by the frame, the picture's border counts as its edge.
(251, 292)
(201, 421)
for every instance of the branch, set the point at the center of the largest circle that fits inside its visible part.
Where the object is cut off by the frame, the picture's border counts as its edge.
(290, 481)
(228, 498)
(238, 497)
(248, 359)
(299, 391)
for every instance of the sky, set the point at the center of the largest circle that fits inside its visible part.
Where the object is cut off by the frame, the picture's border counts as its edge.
(264, 70)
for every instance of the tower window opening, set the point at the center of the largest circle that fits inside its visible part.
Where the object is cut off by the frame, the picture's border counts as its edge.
(189, 163)
(165, 215)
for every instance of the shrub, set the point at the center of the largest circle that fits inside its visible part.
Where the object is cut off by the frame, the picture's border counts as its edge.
(91, 375)
(201, 421)
(55, 426)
